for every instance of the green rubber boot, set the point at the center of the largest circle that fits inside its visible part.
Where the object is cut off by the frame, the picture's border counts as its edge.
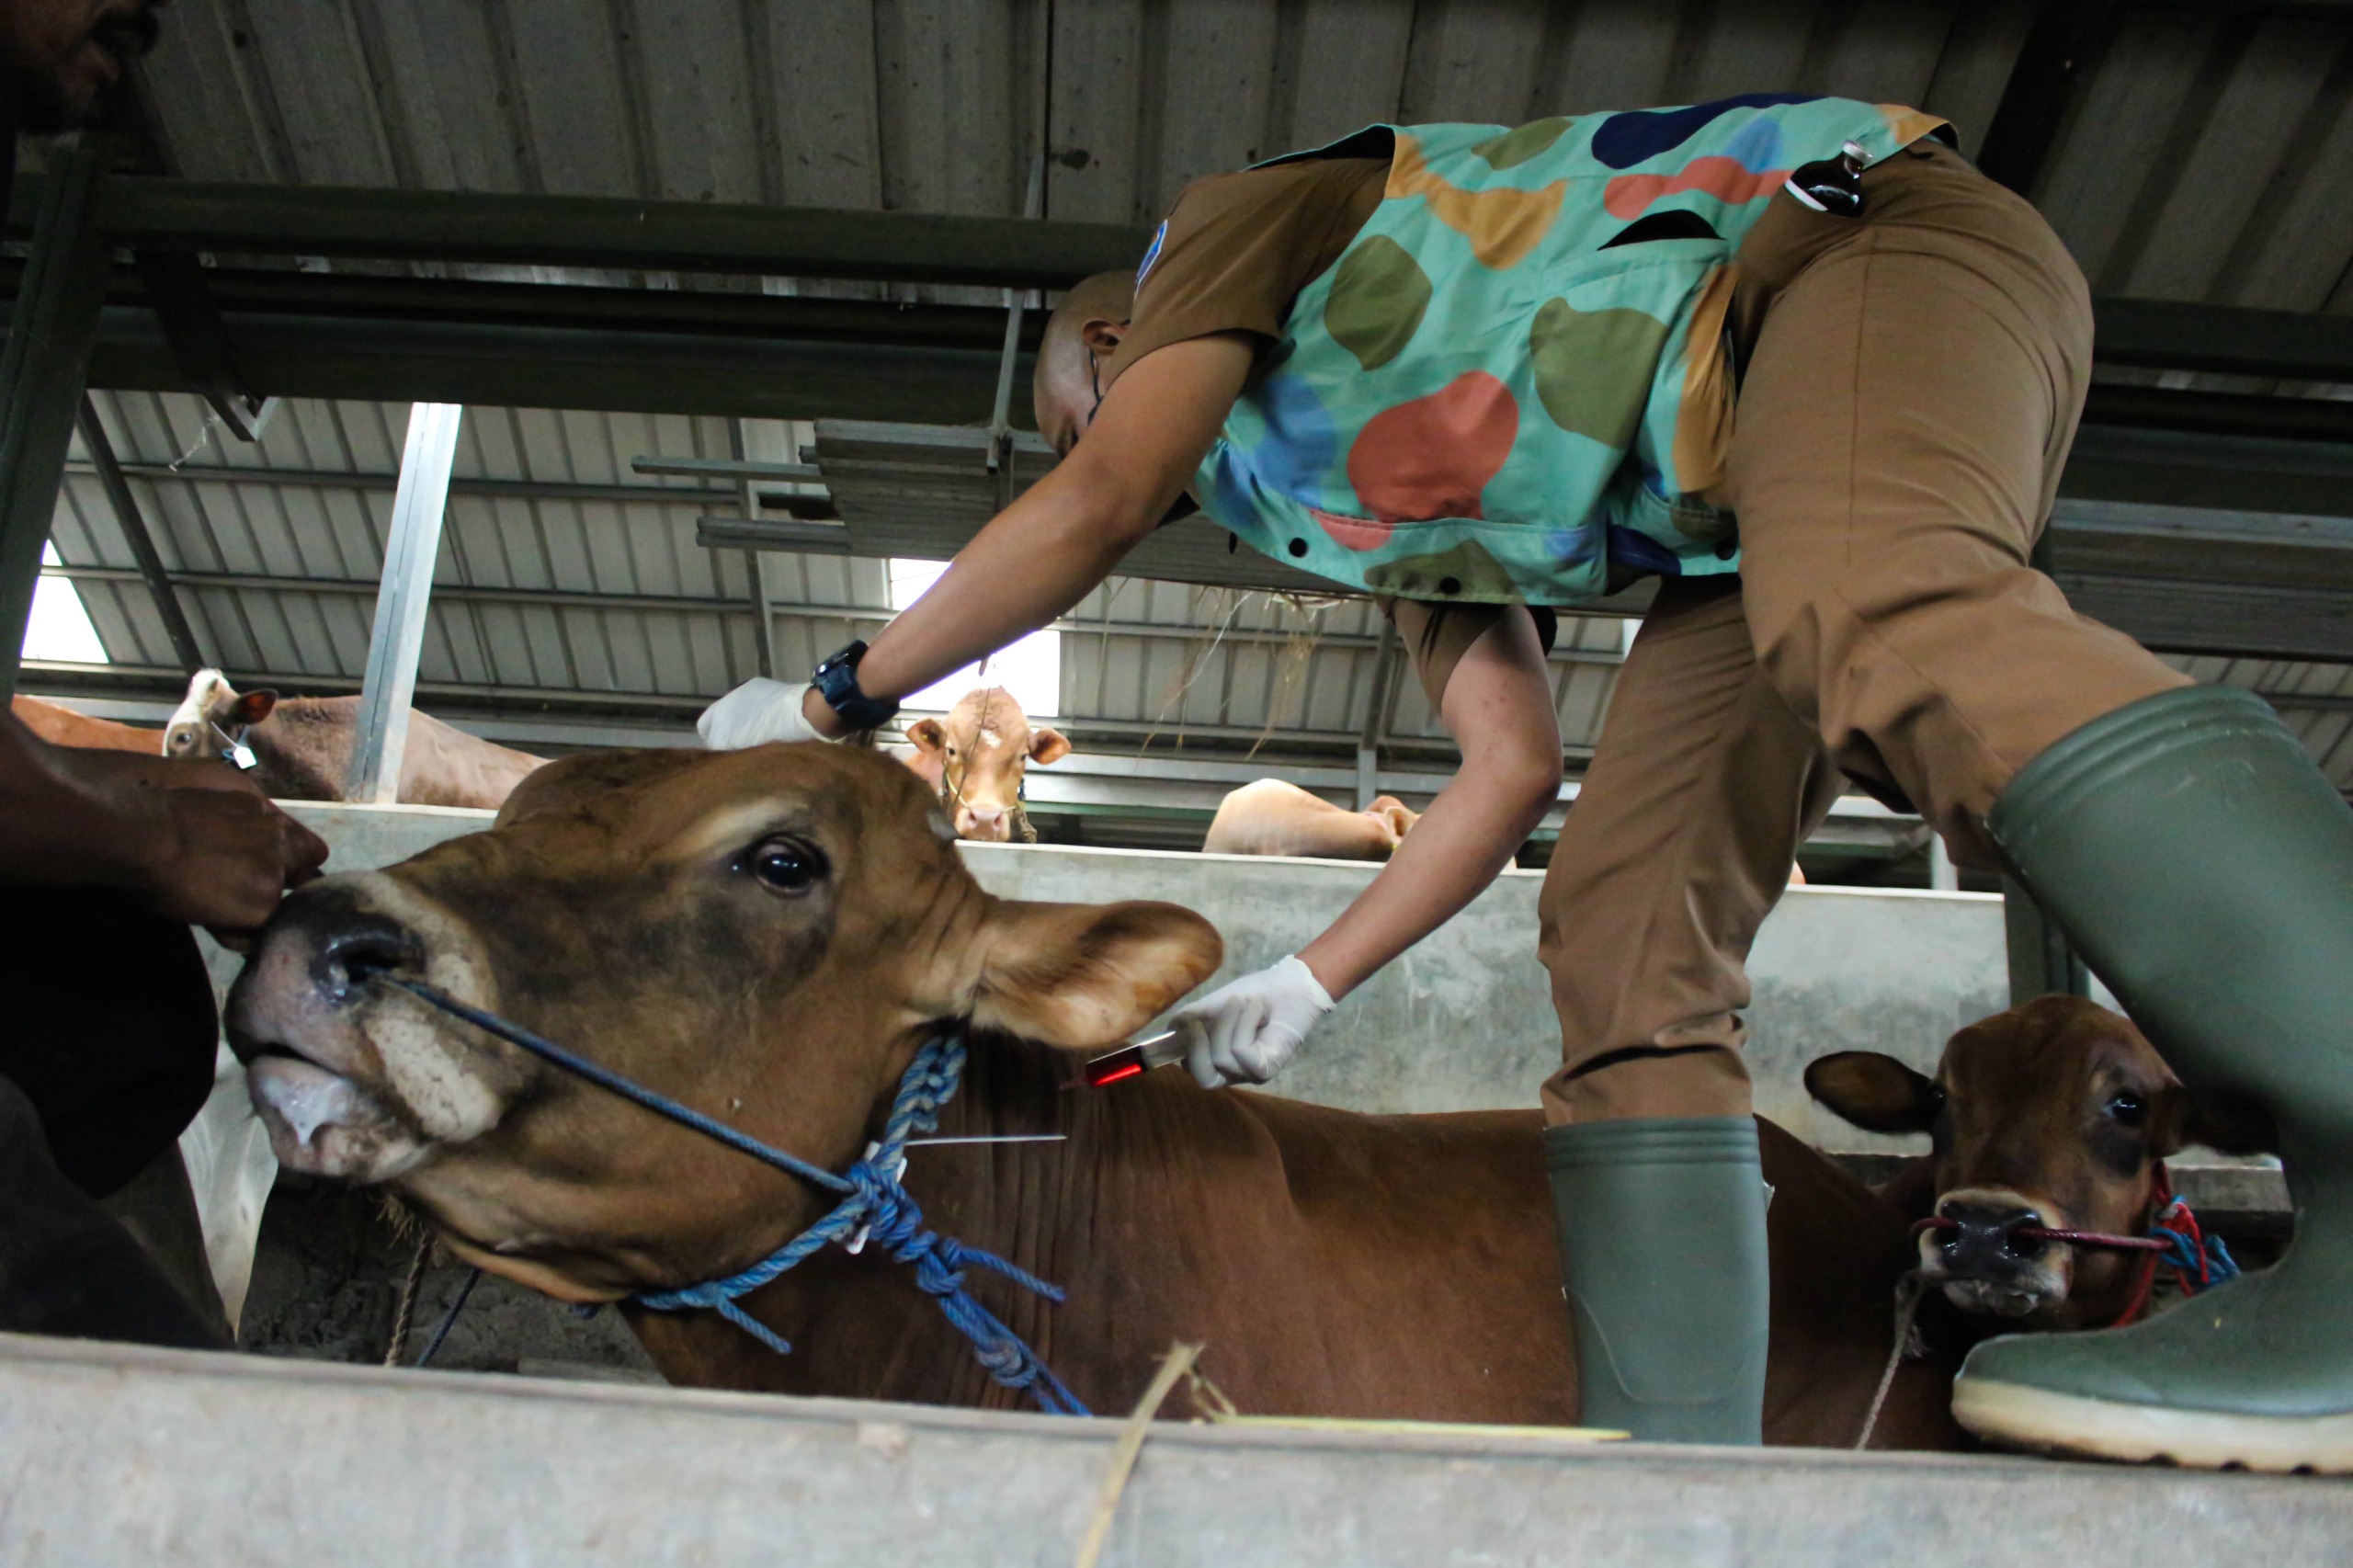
(2204, 868)
(1663, 1247)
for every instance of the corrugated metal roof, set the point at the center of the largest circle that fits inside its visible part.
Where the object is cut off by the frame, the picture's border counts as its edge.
(2209, 156)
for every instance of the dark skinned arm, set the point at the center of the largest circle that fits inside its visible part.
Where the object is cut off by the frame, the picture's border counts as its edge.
(194, 841)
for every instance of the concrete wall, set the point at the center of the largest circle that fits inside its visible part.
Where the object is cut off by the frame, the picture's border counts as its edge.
(1464, 1021)
(122, 1454)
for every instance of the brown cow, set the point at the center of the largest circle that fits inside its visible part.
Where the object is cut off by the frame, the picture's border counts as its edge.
(301, 746)
(770, 935)
(974, 760)
(61, 726)
(2054, 1115)
(1271, 817)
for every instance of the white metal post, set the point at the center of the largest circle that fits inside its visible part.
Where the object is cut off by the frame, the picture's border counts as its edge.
(398, 640)
(1943, 875)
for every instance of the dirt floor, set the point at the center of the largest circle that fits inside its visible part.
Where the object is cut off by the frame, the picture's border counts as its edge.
(328, 1280)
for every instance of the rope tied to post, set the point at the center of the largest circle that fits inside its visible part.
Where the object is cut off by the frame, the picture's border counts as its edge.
(874, 1205)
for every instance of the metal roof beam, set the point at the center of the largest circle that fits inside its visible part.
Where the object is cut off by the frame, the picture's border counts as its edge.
(43, 373)
(2227, 340)
(608, 370)
(604, 232)
(498, 489)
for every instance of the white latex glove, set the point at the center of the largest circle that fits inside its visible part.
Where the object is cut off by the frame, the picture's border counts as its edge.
(755, 713)
(1243, 1032)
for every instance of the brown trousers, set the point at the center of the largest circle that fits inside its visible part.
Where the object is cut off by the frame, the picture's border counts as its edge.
(1912, 381)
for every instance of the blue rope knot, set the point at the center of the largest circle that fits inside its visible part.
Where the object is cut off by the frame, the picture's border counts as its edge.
(2201, 1260)
(879, 1203)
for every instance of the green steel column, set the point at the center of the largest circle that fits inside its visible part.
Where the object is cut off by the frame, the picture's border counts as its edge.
(40, 383)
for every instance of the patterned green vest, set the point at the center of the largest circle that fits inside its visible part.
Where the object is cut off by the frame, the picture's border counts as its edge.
(1479, 400)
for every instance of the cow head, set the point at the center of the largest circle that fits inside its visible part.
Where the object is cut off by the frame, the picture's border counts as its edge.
(213, 715)
(2053, 1114)
(983, 748)
(767, 935)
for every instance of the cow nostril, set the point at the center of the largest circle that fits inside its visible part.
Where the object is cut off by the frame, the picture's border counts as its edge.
(349, 959)
(1985, 1232)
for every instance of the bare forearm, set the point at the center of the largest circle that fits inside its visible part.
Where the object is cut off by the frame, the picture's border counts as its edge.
(1498, 708)
(1460, 844)
(65, 823)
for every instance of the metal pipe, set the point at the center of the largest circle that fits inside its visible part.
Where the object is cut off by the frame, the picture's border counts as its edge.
(41, 375)
(397, 641)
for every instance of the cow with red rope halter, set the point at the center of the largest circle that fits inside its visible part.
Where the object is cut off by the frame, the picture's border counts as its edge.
(2044, 1202)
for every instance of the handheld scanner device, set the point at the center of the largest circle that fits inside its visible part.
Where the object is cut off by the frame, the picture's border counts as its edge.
(1133, 1060)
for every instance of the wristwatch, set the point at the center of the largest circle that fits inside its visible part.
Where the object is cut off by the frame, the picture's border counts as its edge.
(835, 678)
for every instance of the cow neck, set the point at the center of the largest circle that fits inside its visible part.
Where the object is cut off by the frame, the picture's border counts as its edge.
(873, 1202)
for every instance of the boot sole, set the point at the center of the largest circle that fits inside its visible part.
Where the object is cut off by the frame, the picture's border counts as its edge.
(2037, 1419)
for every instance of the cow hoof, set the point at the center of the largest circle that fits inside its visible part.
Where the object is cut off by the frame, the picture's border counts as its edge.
(2041, 1421)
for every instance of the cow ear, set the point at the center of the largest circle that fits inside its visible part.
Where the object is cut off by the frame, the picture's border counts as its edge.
(1048, 745)
(2178, 1118)
(1085, 975)
(252, 706)
(926, 736)
(1876, 1092)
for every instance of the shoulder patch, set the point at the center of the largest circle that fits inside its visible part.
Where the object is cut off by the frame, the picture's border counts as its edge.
(1152, 252)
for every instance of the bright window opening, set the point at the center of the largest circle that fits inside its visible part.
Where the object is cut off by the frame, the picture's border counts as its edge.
(59, 628)
(1030, 669)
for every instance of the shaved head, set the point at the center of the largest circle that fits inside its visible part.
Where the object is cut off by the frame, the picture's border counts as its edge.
(1085, 330)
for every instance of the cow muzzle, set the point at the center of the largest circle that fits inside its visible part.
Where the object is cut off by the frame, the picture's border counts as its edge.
(1983, 1264)
(984, 823)
(354, 1080)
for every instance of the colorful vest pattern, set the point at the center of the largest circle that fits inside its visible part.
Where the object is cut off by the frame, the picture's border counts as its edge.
(1484, 399)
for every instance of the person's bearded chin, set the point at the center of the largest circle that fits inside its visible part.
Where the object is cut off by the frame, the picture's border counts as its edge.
(61, 94)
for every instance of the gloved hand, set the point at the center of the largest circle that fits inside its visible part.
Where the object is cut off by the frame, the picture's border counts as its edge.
(1244, 1031)
(755, 713)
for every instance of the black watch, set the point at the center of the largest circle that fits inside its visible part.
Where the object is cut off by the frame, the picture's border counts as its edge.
(835, 678)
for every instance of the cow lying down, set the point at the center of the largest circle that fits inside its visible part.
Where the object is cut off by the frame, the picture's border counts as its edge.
(769, 936)
(1271, 816)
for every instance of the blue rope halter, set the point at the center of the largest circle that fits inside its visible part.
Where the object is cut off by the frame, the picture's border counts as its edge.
(874, 1204)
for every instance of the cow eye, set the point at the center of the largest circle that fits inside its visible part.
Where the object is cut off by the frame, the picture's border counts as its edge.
(2127, 1110)
(784, 865)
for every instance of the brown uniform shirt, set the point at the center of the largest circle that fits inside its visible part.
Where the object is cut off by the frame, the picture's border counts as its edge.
(1236, 253)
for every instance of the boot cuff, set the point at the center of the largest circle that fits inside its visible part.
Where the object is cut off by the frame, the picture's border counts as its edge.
(2142, 739)
(1652, 1140)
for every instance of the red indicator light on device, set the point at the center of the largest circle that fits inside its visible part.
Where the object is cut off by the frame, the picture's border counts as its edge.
(1133, 1060)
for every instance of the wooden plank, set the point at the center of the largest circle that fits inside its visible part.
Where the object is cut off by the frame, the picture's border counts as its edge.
(1979, 54)
(823, 84)
(1619, 56)
(2115, 141)
(458, 128)
(1352, 67)
(2236, 154)
(1473, 61)
(1099, 64)
(696, 73)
